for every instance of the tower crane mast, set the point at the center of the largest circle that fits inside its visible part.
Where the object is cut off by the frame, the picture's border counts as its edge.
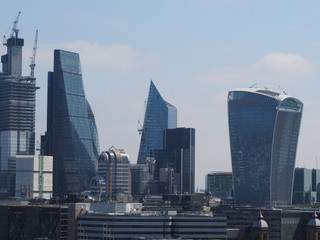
(33, 58)
(15, 29)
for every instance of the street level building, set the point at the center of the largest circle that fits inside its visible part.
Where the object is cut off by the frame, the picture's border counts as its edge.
(264, 129)
(151, 226)
(71, 136)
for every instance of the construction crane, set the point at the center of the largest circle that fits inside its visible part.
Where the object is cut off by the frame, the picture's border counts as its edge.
(15, 29)
(33, 58)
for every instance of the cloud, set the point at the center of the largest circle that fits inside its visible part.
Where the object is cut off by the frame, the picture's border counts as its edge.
(115, 57)
(274, 67)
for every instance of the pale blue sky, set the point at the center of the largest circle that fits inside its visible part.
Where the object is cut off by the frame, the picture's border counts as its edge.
(194, 51)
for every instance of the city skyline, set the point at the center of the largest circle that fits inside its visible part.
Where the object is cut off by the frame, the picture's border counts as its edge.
(195, 52)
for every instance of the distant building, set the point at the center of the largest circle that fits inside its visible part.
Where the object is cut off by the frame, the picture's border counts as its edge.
(151, 226)
(114, 166)
(17, 113)
(264, 129)
(159, 116)
(71, 136)
(306, 187)
(139, 178)
(283, 223)
(29, 181)
(175, 164)
(219, 184)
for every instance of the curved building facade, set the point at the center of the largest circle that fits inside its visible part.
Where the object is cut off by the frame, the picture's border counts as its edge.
(159, 116)
(72, 136)
(264, 128)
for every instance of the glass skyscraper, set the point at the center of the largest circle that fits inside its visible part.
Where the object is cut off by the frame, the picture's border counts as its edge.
(264, 128)
(159, 116)
(71, 136)
(17, 114)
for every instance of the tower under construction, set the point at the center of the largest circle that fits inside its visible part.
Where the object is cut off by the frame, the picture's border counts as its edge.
(17, 111)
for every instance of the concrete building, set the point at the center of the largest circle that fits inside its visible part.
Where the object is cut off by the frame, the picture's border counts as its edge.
(30, 183)
(17, 112)
(264, 129)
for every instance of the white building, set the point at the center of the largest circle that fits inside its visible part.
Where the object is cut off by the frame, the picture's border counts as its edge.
(28, 177)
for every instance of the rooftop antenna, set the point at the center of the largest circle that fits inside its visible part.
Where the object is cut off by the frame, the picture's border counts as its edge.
(33, 58)
(253, 85)
(285, 93)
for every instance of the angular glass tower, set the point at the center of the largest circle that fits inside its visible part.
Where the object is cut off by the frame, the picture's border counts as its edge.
(264, 128)
(159, 116)
(72, 136)
(17, 114)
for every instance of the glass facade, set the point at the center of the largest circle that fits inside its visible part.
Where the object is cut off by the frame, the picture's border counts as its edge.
(219, 184)
(71, 137)
(264, 128)
(179, 154)
(159, 116)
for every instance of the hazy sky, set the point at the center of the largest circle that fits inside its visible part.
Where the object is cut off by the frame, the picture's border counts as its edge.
(193, 50)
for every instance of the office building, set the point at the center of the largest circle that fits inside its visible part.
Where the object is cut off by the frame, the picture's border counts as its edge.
(114, 167)
(219, 184)
(175, 164)
(71, 136)
(139, 178)
(17, 113)
(151, 226)
(264, 128)
(159, 116)
(33, 176)
(306, 187)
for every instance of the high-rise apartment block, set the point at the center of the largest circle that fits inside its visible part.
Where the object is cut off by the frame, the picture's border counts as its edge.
(264, 128)
(71, 136)
(159, 116)
(17, 113)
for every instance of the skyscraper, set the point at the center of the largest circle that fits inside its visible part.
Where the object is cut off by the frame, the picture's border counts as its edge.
(159, 116)
(264, 129)
(175, 164)
(17, 113)
(71, 136)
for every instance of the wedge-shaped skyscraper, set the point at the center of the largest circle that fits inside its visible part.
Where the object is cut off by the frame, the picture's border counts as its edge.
(159, 116)
(264, 129)
(71, 137)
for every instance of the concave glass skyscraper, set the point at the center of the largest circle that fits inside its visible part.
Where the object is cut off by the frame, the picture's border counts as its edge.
(71, 137)
(159, 116)
(264, 129)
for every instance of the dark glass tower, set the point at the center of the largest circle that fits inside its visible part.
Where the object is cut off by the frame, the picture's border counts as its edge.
(71, 137)
(178, 155)
(17, 113)
(159, 116)
(264, 129)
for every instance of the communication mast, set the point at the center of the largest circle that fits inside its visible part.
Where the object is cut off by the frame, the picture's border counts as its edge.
(33, 58)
